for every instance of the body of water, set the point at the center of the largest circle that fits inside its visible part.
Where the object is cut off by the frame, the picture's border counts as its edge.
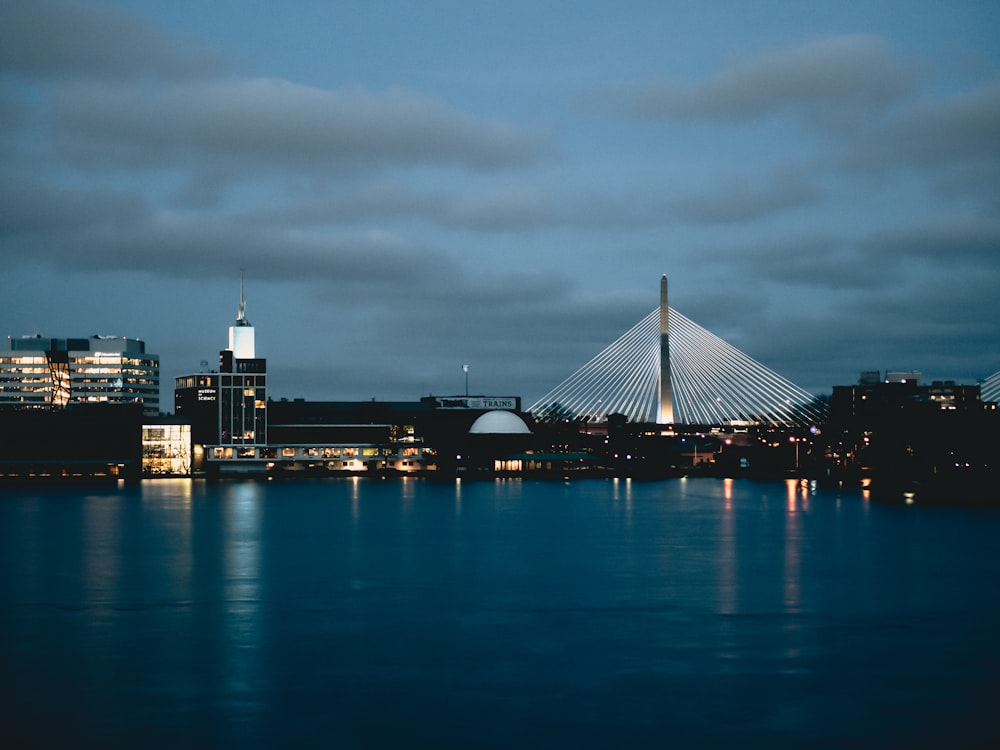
(358, 613)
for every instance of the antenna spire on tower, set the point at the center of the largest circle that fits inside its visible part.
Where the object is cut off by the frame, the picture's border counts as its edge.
(241, 313)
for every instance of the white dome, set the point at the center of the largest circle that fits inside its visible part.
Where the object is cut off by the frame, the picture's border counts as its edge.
(499, 423)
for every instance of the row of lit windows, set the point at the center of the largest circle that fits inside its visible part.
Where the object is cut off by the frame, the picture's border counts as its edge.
(45, 393)
(368, 451)
(24, 361)
(77, 378)
(13, 362)
(112, 385)
(165, 432)
(249, 381)
(120, 372)
(39, 384)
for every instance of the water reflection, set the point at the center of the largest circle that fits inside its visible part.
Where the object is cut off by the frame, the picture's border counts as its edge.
(355, 500)
(101, 549)
(621, 496)
(169, 502)
(408, 490)
(172, 491)
(241, 626)
(792, 579)
(734, 613)
(728, 587)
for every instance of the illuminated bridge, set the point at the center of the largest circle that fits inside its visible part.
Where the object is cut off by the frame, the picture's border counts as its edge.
(669, 370)
(990, 388)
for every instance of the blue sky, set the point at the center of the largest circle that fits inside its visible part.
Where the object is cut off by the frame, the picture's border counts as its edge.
(415, 186)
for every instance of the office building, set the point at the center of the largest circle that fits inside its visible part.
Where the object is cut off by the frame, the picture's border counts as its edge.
(54, 373)
(227, 408)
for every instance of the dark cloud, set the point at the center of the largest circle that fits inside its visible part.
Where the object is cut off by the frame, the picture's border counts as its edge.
(947, 243)
(46, 39)
(28, 207)
(248, 124)
(516, 208)
(951, 142)
(358, 203)
(832, 81)
(737, 200)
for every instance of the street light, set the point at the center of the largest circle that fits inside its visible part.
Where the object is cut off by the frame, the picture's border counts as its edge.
(465, 369)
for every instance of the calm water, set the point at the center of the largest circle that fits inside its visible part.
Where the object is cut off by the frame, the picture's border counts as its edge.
(366, 613)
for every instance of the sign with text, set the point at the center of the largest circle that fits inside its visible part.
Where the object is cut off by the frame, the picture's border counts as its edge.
(479, 402)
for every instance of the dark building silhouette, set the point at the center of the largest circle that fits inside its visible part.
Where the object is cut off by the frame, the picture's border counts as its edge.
(903, 435)
(82, 442)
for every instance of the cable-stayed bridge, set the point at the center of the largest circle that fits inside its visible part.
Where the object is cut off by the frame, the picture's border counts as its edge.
(709, 381)
(990, 388)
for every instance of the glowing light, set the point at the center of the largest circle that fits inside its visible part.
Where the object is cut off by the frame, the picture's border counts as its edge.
(713, 382)
(990, 388)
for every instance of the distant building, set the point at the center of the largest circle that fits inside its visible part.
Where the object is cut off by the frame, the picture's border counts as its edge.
(875, 398)
(51, 373)
(236, 429)
(897, 430)
(227, 409)
(84, 442)
(166, 448)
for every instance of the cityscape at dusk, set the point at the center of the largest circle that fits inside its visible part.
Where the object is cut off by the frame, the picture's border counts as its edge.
(414, 188)
(499, 374)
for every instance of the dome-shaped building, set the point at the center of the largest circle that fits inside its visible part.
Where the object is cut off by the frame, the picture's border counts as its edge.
(491, 439)
(499, 422)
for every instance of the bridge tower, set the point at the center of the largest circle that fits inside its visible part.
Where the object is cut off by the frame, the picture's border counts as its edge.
(665, 386)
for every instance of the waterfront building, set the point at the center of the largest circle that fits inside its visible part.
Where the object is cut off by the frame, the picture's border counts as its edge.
(53, 373)
(237, 429)
(83, 442)
(166, 448)
(898, 429)
(227, 408)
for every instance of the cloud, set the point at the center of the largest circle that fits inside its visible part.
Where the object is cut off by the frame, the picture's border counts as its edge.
(496, 210)
(29, 207)
(46, 39)
(833, 81)
(946, 244)
(740, 200)
(950, 141)
(103, 93)
(250, 124)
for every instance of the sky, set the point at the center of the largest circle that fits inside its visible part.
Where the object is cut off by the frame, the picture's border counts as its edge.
(412, 187)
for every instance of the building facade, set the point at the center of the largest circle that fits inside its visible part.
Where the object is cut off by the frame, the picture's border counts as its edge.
(53, 373)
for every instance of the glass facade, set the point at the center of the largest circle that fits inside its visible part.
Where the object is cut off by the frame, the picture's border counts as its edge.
(243, 409)
(53, 373)
(166, 450)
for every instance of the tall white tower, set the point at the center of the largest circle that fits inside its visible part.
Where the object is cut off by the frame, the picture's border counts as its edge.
(241, 340)
(242, 386)
(666, 389)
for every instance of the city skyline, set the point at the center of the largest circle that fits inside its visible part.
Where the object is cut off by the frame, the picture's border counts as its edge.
(501, 186)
